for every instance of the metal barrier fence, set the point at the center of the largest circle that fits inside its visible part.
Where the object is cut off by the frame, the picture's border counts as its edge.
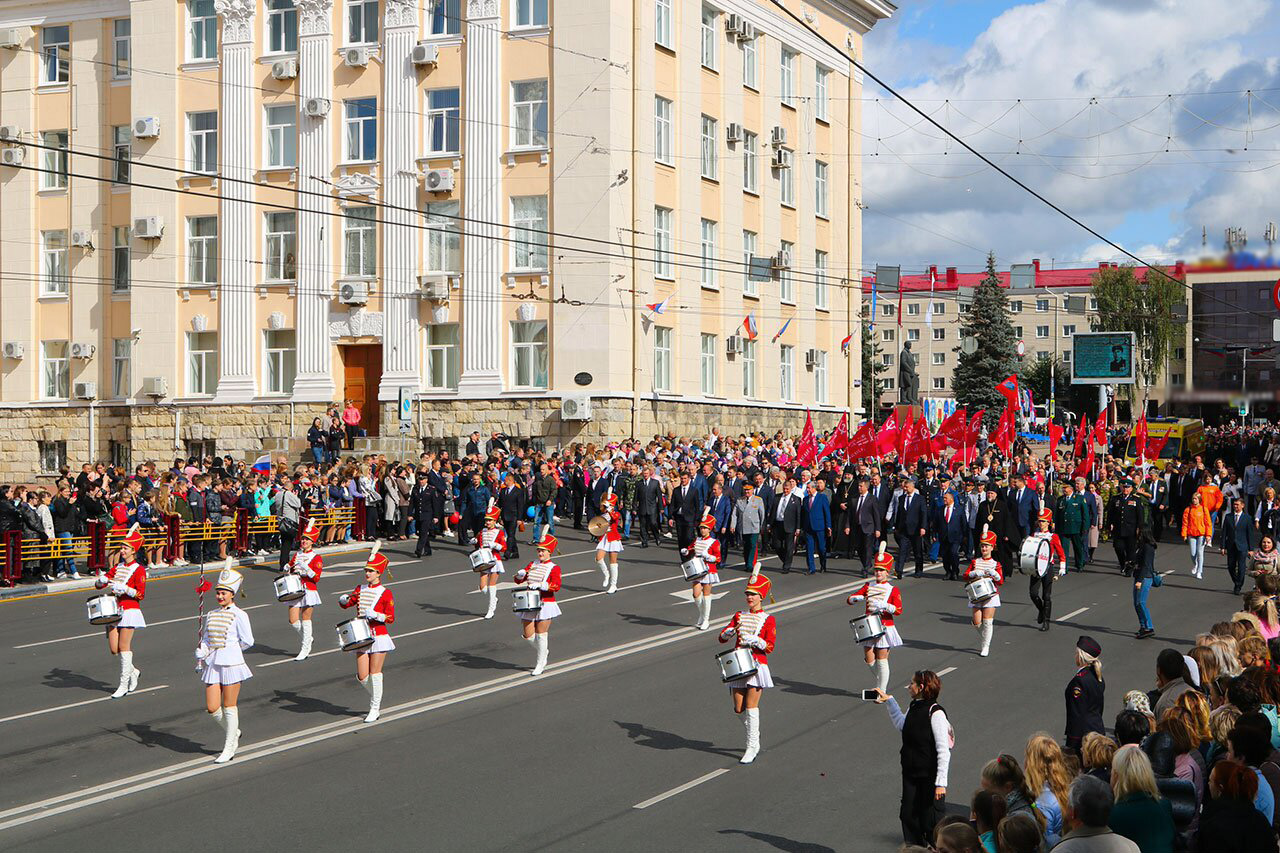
(170, 539)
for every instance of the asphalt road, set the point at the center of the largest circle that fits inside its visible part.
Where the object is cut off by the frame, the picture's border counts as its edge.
(473, 754)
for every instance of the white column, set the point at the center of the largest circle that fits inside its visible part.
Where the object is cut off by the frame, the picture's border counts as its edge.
(314, 381)
(399, 191)
(482, 252)
(235, 242)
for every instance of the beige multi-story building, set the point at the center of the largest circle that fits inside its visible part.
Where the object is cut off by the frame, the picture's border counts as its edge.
(220, 216)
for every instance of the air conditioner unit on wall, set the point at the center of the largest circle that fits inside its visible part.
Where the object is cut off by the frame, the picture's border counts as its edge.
(83, 351)
(576, 408)
(782, 260)
(425, 54)
(12, 156)
(733, 132)
(778, 136)
(733, 345)
(284, 69)
(10, 133)
(82, 238)
(810, 358)
(11, 38)
(434, 287)
(781, 159)
(147, 127)
(155, 386)
(439, 180)
(355, 57)
(353, 292)
(85, 390)
(148, 227)
(315, 107)
(15, 350)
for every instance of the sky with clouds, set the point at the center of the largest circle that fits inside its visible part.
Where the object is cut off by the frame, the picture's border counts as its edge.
(1149, 120)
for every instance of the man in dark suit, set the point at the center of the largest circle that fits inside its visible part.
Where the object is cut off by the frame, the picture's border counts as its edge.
(512, 500)
(949, 531)
(815, 519)
(1157, 492)
(1026, 507)
(910, 522)
(996, 515)
(686, 510)
(721, 509)
(766, 493)
(864, 525)
(648, 506)
(784, 521)
(1237, 541)
(844, 494)
(882, 492)
(426, 503)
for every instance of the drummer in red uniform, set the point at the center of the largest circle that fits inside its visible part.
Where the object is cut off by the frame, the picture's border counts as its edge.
(984, 610)
(375, 603)
(707, 547)
(883, 599)
(494, 538)
(610, 543)
(758, 631)
(127, 581)
(307, 564)
(1042, 577)
(542, 575)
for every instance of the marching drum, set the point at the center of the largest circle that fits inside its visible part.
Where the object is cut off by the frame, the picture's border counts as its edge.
(694, 568)
(1034, 558)
(867, 627)
(355, 634)
(523, 600)
(289, 587)
(598, 526)
(980, 590)
(736, 663)
(481, 559)
(103, 610)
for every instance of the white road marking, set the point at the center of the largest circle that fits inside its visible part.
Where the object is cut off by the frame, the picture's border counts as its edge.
(505, 585)
(1071, 615)
(686, 595)
(110, 791)
(681, 789)
(76, 704)
(946, 671)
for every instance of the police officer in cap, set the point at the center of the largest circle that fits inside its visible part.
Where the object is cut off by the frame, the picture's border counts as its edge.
(1084, 694)
(1124, 515)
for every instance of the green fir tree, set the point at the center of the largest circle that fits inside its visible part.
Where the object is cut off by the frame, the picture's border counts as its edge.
(978, 373)
(872, 367)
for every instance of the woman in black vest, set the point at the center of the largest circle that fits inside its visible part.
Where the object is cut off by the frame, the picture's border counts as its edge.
(927, 739)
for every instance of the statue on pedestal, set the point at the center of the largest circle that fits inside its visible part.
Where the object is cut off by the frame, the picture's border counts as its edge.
(908, 378)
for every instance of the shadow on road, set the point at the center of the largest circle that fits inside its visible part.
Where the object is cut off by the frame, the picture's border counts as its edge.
(299, 704)
(470, 661)
(269, 651)
(803, 688)
(647, 621)
(67, 678)
(780, 843)
(445, 611)
(149, 737)
(657, 739)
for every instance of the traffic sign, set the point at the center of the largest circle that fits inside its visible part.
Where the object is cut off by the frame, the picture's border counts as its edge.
(1275, 297)
(406, 405)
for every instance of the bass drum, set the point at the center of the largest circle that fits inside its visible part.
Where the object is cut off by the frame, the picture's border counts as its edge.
(1034, 558)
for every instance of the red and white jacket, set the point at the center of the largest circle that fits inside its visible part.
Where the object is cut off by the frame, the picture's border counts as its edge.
(759, 623)
(128, 582)
(495, 540)
(983, 568)
(614, 533)
(885, 594)
(375, 603)
(706, 547)
(550, 584)
(309, 565)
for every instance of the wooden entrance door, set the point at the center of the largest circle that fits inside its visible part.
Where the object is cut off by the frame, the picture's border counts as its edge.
(361, 370)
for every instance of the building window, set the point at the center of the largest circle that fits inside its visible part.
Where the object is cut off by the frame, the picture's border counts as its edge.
(118, 454)
(748, 251)
(820, 376)
(55, 368)
(202, 363)
(887, 359)
(963, 308)
(1042, 305)
(708, 147)
(1093, 303)
(53, 267)
(56, 166)
(888, 384)
(709, 37)
(786, 284)
(55, 54)
(707, 365)
(888, 335)
(529, 354)
(913, 309)
(120, 48)
(663, 137)
(121, 349)
(122, 150)
(1042, 356)
(362, 21)
(708, 253)
(939, 359)
(748, 49)
(1015, 306)
(282, 136)
(202, 250)
(53, 455)
(445, 17)
(529, 231)
(529, 114)
(442, 356)
(281, 362)
(939, 383)
(531, 13)
(120, 259)
(820, 293)
(662, 23)
(748, 368)
(820, 93)
(888, 310)
(443, 111)
(913, 334)
(282, 26)
(939, 334)
(787, 373)
(820, 188)
(202, 28)
(1042, 331)
(202, 142)
(787, 78)
(787, 182)
(444, 242)
(750, 161)
(359, 243)
(662, 241)
(282, 246)
(361, 119)
(661, 358)
(1017, 331)
(1180, 354)
(1068, 331)
(1177, 380)
(1066, 356)
(200, 448)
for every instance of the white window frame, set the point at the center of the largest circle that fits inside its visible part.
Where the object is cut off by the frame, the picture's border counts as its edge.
(1068, 330)
(1042, 306)
(121, 63)
(707, 147)
(529, 243)
(529, 355)
(707, 364)
(1015, 306)
(281, 26)
(821, 98)
(202, 143)
(663, 131)
(529, 114)
(444, 236)
(202, 252)
(121, 367)
(443, 121)
(708, 233)
(1042, 332)
(202, 31)
(939, 309)
(888, 335)
(281, 244)
(55, 263)
(55, 55)
(749, 368)
(939, 383)
(279, 361)
(939, 359)
(750, 241)
(56, 157)
(887, 359)
(821, 294)
(662, 357)
(663, 23)
(939, 334)
(122, 151)
(888, 383)
(362, 22)
(786, 283)
(360, 242)
(787, 183)
(750, 162)
(887, 310)
(820, 184)
(280, 136)
(202, 364)
(441, 357)
(55, 370)
(820, 388)
(120, 251)
(444, 18)
(355, 124)
(787, 373)
(913, 309)
(747, 47)
(913, 335)
(787, 77)
(531, 14)
(710, 36)
(663, 240)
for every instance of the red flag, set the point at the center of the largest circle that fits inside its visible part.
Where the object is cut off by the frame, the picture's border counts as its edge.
(918, 443)
(1100, 429)
(1156, 445)
(1055, 435)
(952, 429)
(1003, 437)
(1009, 389)
(203, 587)
(1086, 464)
(863, 442)
(1140, 439)
(839, 439)
(807, 449)
(1081, 432)
(905, 433)
(887, 439)
(975, 427)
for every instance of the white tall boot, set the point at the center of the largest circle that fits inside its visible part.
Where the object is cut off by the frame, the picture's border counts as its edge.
(697, 605)
(231, 724)
(493, 601)
(297, 627)
(882, 677)
(604, 573)
(375, 698)
(988, 628)
(134, 672)
(752, 721)
(981, 634)
(706, 612)
(613, 578)
(126, 670)
(533, 641)
(305, 631)
(540, 642)
(367, 684)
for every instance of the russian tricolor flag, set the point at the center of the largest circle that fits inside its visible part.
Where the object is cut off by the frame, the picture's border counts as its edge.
(658, 307)
(844, 344)
(749, 323)
(263, 464)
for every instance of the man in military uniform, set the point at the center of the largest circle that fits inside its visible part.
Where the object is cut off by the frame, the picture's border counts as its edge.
(1072, 522)
(1084, 695)
(995, 514)
(1124, 517)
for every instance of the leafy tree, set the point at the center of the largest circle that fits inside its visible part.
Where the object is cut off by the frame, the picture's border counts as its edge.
(872, 367)
(978, 373)
(1143, 305)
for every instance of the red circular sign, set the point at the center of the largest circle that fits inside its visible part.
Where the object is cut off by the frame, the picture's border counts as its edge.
(1275, 295)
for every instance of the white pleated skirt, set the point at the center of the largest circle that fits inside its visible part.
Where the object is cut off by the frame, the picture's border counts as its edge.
(214, 673)
(131, 618)
(761, 678)
(993, 601)
(549, 610)
(609, 547)
(709, 578)
(888, 640)
(381, 643)
(495, 569)
(311, 599)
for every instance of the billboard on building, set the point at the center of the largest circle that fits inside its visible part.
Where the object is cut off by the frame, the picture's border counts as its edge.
(1102, 358)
